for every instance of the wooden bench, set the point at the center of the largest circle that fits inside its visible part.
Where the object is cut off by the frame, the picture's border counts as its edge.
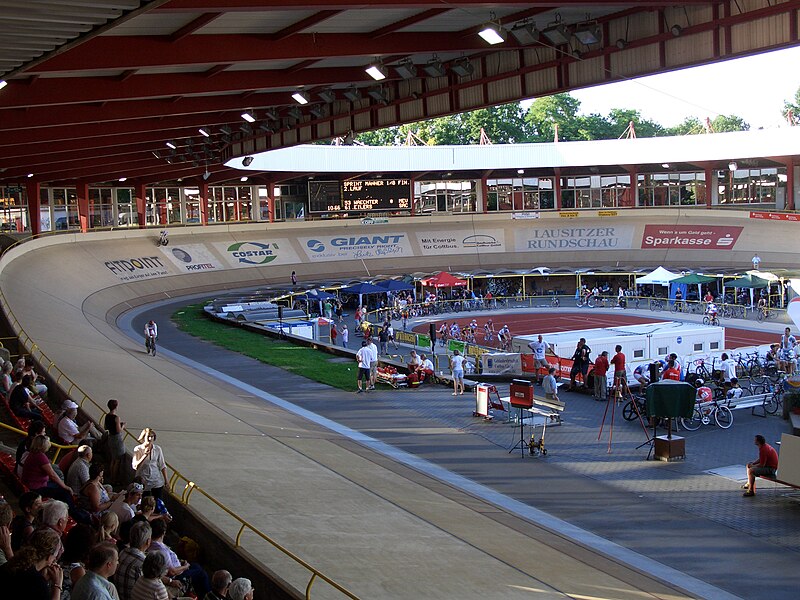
(542, 407)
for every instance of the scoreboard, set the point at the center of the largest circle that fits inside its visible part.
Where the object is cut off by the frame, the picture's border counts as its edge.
(359, 195)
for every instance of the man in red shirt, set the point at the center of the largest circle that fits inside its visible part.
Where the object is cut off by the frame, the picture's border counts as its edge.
(599, 376)
(766, 465)
(619, 366)
(671, 372)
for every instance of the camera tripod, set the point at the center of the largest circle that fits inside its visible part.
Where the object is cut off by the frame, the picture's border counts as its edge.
(621, 393)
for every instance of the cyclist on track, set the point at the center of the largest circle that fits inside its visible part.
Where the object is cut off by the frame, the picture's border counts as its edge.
(150, 334)
(762, 306)
(711, 310)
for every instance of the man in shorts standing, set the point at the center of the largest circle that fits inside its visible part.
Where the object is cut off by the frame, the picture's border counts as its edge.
(363, 357)
(539, 348)
(786, 356)
(373, 363)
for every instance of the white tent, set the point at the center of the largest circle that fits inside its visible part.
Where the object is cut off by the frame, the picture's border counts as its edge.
(658, 277)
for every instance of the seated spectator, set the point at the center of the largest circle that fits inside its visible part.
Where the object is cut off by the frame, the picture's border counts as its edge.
(38, 474)
(34, 429)
(6, 516)
(425, 368)
(771, 359)
(78, 473)
(21, 401)
(108, 531)
(100, 565)
(55, 517)
(148, 508)
(150, 586)
(39, 388)
(131, 559)
(68, 429)
(24, 524)
(241, 589)
(77, 543)
(124, 505)
(220, 582)
(5, 378)
(413, 362)
(735, 391)
(32, 573)
(178, 569)
(94, 496)
(766, 465)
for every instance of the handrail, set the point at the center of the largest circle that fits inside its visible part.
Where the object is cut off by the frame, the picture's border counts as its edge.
(190, 486)
(58, 447)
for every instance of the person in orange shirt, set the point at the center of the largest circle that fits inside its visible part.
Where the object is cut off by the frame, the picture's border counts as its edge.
(599, 376)
(671, 372)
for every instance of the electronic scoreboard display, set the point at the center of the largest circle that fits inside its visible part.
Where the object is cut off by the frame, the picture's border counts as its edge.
(359, 195)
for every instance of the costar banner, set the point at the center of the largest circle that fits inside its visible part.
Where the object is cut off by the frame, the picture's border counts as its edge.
(191, 258)
(461, 241)
(608, 237)
(355, 247)
(258, 253)
(690, 237)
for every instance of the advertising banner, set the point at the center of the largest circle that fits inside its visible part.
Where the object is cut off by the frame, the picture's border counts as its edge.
(456, 345)
(423, 340)
(138, 268)
(355, 247)
(771, 216)
(462, 241)
(690, 237)
(609, 237)
(405, 338)
(501, 363)
(258, 253)
(192, 257)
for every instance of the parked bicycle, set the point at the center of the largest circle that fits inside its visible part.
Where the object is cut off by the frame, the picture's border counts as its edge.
(765, 314)
(749, 367)
(705, 412)
(656, 304)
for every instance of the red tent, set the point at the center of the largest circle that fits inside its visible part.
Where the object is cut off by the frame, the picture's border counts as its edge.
(443, 280)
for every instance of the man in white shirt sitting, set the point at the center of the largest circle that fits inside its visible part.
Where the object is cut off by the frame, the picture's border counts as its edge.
(425, 368)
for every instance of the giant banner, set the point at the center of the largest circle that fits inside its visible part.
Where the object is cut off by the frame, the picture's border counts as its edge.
(355, 247)
(608, 237)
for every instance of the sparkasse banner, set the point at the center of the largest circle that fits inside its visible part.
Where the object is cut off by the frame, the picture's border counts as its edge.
(690, 237)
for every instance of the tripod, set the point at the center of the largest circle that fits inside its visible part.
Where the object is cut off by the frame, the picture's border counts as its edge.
(621, 392)
(521, 444)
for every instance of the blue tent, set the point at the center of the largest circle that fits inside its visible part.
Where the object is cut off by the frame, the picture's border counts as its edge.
(361, 289)
(317, 295)
(395, 285)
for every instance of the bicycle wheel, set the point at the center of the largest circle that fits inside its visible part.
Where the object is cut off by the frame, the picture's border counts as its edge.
(740, 371)
(760, 315)
(675, 308)
(715, 322)
(723, 417)
(692, 424)
(706, 321)
(772, 404)
(756, 371)
(628, 411)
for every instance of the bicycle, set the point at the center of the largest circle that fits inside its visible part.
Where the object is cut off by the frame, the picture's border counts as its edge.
(765, 314)
(678, 306)
(163, 238)
(585, 301)
(150, 344)
(555, 302)
(711, 320)
(656, 304)
(775, 401)
(703, 413)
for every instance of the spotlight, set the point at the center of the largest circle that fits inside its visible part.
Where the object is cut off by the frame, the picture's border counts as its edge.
(243, 179)
(493, 33)
(557, 34)
(665, 165)
(317, 111)
(676, 30)
(3, 84)
(462, 67)
(327, 96)
(295, 113)
(406, 69)
(301, 97)
(352, 94)
(525, 33)
(732, 166)
(246, 128)
(171, 145)
(204, 132)
(206, 175)
(378, 94)
(156, 154)
(123, 179)
(226, 130)
(520, 171)
(621, 44)
(248, 116)
(435, 68)
(271, 114)
(377, 71)
(30, 175)
(589, 33)
(247, 161)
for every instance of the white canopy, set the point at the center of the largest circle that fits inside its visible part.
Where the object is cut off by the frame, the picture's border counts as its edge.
(658, 277)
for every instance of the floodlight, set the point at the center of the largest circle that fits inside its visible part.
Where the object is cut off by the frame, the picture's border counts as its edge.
(3, 84)
(171, 144)
(295, 113)
(557, 34)
(525, 33)
(247, 161)
(676, 30)
(462, 67)
(226, 130)
(266, 127)
(732, 166)
(328, 96)
(248, 116)
(435, 68)
(622, 44)
(352, 94)
(317, 111)
(493, 33)
(406, 69)
(243, 178)
(271, 114)
(301, 97)
(589, 33)
(204, 132)
(246, 128)
(123, 179)
(30, 175)
(377, 71)
(378, 94)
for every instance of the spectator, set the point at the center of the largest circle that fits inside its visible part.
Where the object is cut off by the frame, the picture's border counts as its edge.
(671, 372)
(78, 473)
(413, 361)
(425, 368)
(220, 582)
(539, 348)
(334, 334)
(131, 559)
(21, 400)
(32, 573)
(457, 369)
(109, 528)
(363, 359)
(34, 429)
(383, 339)
(124, 505)
(116, 444)
(620, 371)
(580, 363)
(77, 544)
(38, 474)
(735, 391)
(55, 516)
(728, 368)
(373, 363)
(68, 429)
(787, 356)
(6, 515)
(94, 497)
(550, 385)
(148, 462)
(150, 585)
(23, 524)
(241, 589)
(600, 378)
(39, 388)
(345, 335)
(101, 564)
(5, 378)
(176, 568)
(765, 466)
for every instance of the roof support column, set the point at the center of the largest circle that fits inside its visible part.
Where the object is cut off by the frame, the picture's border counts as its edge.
(631, 195)
(484, 193)
(140, 192)
(790, 184)
(557, 187)
(204, 203)
(33, 191)
(711, 185)
(271, 200)
(412, 183)
(82, 192)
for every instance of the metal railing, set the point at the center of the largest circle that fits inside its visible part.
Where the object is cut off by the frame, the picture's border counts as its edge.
(58, 447)
(74, 391)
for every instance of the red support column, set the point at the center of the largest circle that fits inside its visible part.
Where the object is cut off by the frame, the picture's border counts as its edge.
(82, 192)
(709, 174)
(412, 181)
(139, 190)
(485, 193)
(204, 203)
(271, 201)
(32, 191)
(630, 198)
(789, 185)
(557, 187)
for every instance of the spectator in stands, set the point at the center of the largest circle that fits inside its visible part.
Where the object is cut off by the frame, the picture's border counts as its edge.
(36, 382)
(5, 378)
(78, 473)
(77, 544)
(23, 524)
(101, 564)
(765, 466)
(22, 399)
(148, 462)
(220, 582)
(131, 560)
(241, 589)
(32, 573)
(68, 429)
(6, 516)
(34, 429)
(94, 496)
(150, 585)
(147, 509)
(179, 569)
(38, 474)
(109, 528)
(124, 505)
(55, 516)
(116, 445)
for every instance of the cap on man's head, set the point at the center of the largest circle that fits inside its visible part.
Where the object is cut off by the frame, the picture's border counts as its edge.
(135, 488)
(67, 404)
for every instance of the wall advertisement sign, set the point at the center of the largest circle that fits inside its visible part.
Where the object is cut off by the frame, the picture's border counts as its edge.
(548, 239)
(137, 268)
(690, 237)
(258, 253)
(191, 258)
(461, 241)
(355, 247)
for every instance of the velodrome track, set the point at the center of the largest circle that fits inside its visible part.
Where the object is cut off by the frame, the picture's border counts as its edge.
(379, 529)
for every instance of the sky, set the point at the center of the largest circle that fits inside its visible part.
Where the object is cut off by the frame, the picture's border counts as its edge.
(753, 88)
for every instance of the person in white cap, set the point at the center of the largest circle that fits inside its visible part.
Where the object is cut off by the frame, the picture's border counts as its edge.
(68, 429)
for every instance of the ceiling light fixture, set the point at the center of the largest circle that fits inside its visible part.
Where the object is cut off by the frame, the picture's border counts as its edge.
(226, 130)
(171, 145)
(462, 67)
(123, 179)
(295, 113)
(406, 69)
(30, 175)
(3, 84)
(204, 132)
(676, 30)
(352, 94)
(317, 111)
(665, 165)
(301, 97)
(156, 154)
(327, 96)
(246, 128)
(377, 93)
(589, 33)
(558, 34)
(377, 71)
(248, 116)
(492, 32)
(435, 68)
(732, 166)
(525, 33)
(271, 114)
(266, 127)
(243, 178)
(247, 161)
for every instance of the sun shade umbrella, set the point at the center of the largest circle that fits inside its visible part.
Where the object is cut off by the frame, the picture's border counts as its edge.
(444, 279)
